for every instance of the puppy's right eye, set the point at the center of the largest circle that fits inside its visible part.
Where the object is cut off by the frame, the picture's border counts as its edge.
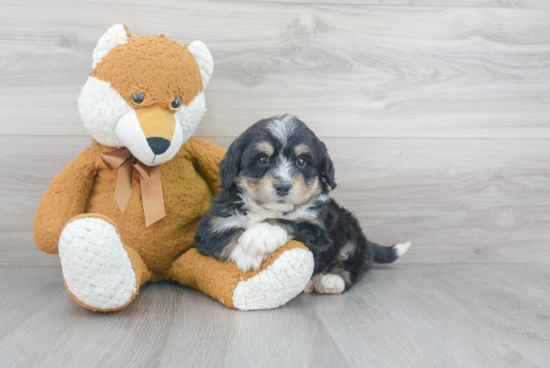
(301, 162)
(262, 160)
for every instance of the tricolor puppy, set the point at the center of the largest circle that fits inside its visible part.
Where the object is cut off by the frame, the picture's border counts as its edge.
(277, 176)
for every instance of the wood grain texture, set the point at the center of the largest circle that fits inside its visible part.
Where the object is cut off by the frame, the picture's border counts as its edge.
(133, 337)
(294, 339)
(353, 71)
(445, 316)
(533, 4)
(436, 117)
(398, 315)
(24, 291)
(458, 200)
(18, 248)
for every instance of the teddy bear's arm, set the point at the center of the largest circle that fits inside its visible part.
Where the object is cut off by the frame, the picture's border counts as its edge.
(66, 197)
(206, 157)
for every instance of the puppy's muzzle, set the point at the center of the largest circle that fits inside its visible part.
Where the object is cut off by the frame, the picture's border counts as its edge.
(282, 188)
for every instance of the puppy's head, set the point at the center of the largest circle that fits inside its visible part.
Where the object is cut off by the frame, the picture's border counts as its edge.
(279, 163)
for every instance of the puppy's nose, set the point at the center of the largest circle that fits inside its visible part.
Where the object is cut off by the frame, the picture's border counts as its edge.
(282, 188)
(158, 145)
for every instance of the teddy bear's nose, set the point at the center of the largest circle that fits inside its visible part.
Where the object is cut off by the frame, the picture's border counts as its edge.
(158, 145)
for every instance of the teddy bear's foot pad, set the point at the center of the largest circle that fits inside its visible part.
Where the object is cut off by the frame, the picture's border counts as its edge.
(277, 284)
(96, 268)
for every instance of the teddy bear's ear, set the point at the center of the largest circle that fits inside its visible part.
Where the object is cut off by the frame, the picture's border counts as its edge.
(116, 35)
(204, 58)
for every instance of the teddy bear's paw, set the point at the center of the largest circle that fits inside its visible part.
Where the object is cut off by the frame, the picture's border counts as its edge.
(96, 268)
(263, 239)
(277, 283)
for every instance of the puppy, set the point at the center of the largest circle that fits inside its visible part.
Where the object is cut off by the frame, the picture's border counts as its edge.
(276, 178)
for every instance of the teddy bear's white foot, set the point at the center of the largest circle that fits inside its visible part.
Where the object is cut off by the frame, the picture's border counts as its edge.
(277, 283)
(96, 268)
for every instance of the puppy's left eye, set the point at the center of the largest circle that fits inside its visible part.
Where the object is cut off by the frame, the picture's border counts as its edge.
(262, 160)
(176, 103)
(300, 162)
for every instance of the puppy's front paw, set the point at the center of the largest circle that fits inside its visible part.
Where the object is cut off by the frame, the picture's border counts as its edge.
(244, 260)
(263, 239)
(256, 244)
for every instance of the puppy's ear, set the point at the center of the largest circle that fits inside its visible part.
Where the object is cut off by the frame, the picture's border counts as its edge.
(327, 167)
(230, 166)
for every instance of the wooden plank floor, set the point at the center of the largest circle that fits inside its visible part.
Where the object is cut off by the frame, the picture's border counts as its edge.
(435, 112)
(436, 116)
(352, 70)
(398, 316)
(462, 202)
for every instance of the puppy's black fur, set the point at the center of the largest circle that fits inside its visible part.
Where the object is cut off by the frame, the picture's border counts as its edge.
(271, 152)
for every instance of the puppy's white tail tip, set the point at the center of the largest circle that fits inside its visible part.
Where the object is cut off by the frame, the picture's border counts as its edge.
(401, 248)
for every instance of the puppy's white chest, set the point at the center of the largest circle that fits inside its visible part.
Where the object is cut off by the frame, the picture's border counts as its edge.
(254, 217)
(300, 215)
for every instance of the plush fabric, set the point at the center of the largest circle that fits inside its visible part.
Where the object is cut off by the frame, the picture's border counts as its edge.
(165, 64)
(264, 288)
(186, 197)
(107, 254)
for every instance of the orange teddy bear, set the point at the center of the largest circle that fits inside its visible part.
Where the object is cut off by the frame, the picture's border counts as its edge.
(125, 210)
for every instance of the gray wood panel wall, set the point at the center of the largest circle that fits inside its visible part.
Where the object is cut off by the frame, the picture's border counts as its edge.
(436, 113)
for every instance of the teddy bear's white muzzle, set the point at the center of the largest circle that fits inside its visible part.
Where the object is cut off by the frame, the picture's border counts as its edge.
(147, 140)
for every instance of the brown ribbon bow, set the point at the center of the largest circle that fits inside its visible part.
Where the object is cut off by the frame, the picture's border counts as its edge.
(151, 185)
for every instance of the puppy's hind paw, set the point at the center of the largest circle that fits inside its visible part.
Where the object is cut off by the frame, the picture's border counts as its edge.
(310, 287)
(330, 284)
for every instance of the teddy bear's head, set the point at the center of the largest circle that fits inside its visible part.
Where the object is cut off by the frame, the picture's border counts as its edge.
(145, 93)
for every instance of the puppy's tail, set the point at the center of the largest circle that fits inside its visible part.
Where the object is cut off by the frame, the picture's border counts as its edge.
(389, 254)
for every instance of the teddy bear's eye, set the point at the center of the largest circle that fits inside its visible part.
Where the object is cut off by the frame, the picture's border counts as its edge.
(176, 103)
(137, 98)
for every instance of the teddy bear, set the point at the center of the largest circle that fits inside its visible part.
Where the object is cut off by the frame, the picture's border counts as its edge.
(124, 211)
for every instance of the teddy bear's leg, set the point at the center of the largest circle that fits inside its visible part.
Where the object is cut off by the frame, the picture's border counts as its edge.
(100, 272)
(281, 277)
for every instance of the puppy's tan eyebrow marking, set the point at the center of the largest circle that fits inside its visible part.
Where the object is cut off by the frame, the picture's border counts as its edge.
(265, 147)
(302, 149)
